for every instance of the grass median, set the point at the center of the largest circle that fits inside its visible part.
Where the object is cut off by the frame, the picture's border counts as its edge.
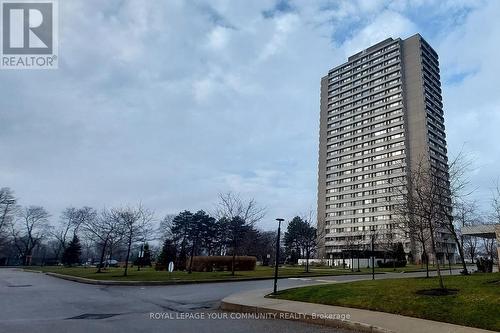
(149, 274)
(476, 304)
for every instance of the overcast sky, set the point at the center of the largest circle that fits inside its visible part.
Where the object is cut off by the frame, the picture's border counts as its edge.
(171, 102)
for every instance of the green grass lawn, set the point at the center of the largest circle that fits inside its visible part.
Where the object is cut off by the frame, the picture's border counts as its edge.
(476, 304)
(149, 274)
(412, 268)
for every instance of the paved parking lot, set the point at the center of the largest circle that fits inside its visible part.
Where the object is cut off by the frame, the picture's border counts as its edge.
(34, 302)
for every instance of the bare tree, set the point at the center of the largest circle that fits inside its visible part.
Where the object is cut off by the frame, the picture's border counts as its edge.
(470, 246)
(231, 205)
(388, 244)
(351, 246)
(466, 214)
(104, 228)
(455, 211)
(29, 229)
(70, 221)
(135, 225)
(489, 246)
(373, 236)
(429, 198)
(413, 225)
(8, 209)
(423, 197)
(165, 228)
(408, 222)
(61, 232)
(495, 203)
(308, 240)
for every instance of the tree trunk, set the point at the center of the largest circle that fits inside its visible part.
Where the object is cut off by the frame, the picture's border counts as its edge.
(441, 283)
(460, 244)
(190, 270)
(101, 262)
(307, 261)
(233, 262)
(128, 256)
(352, 261)
(358, 270)
(426, 258)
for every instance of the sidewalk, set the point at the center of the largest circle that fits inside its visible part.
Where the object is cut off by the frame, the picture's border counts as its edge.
(336, 316)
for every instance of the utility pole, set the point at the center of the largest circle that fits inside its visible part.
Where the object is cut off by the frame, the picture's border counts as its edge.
(277, 257)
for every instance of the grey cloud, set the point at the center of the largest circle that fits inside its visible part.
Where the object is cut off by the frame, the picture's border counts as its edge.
(145, 108)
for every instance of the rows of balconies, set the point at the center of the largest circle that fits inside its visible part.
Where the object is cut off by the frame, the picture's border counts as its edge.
(347, 67)
(362, 160)
(395, 184)
(343, 200)
(368, 133)
(376, 125)
(389, 75)
(371, 157)
(339, 91)
(357, 112)
(365, 117)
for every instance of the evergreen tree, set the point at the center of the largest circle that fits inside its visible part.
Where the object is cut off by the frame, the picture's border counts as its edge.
(293, 235)
(197, 233)
(72, 253)
(399, 252)
(237, 229)
(168, 254)
(180, 231)
(146, 256)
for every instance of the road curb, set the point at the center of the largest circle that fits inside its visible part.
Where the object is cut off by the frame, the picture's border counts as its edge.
(306, 318)
(161, 283)
(143, 283)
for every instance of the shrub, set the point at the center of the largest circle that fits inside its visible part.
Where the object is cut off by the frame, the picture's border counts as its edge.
(160, 267)
(222, 263)
(484, 265)
(390, 264)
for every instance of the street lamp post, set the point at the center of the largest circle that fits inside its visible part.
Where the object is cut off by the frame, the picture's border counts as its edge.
(141, 255)
(277, 257)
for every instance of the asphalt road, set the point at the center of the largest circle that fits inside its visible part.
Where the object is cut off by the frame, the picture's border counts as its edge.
(35, 302)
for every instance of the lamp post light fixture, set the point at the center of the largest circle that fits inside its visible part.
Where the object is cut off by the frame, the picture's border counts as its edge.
(277, 261)
(140, 256)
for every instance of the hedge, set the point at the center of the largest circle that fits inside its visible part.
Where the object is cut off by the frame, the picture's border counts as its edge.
(222, 263)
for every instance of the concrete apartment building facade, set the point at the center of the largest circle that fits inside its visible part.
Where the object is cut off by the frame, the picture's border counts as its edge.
(381, 114)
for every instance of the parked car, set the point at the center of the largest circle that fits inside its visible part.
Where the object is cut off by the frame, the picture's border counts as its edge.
(110, 263)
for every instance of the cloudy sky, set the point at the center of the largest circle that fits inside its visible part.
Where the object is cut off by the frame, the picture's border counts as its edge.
(171, 102)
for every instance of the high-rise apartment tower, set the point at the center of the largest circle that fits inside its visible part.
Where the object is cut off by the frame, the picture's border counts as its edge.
(381, 115)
